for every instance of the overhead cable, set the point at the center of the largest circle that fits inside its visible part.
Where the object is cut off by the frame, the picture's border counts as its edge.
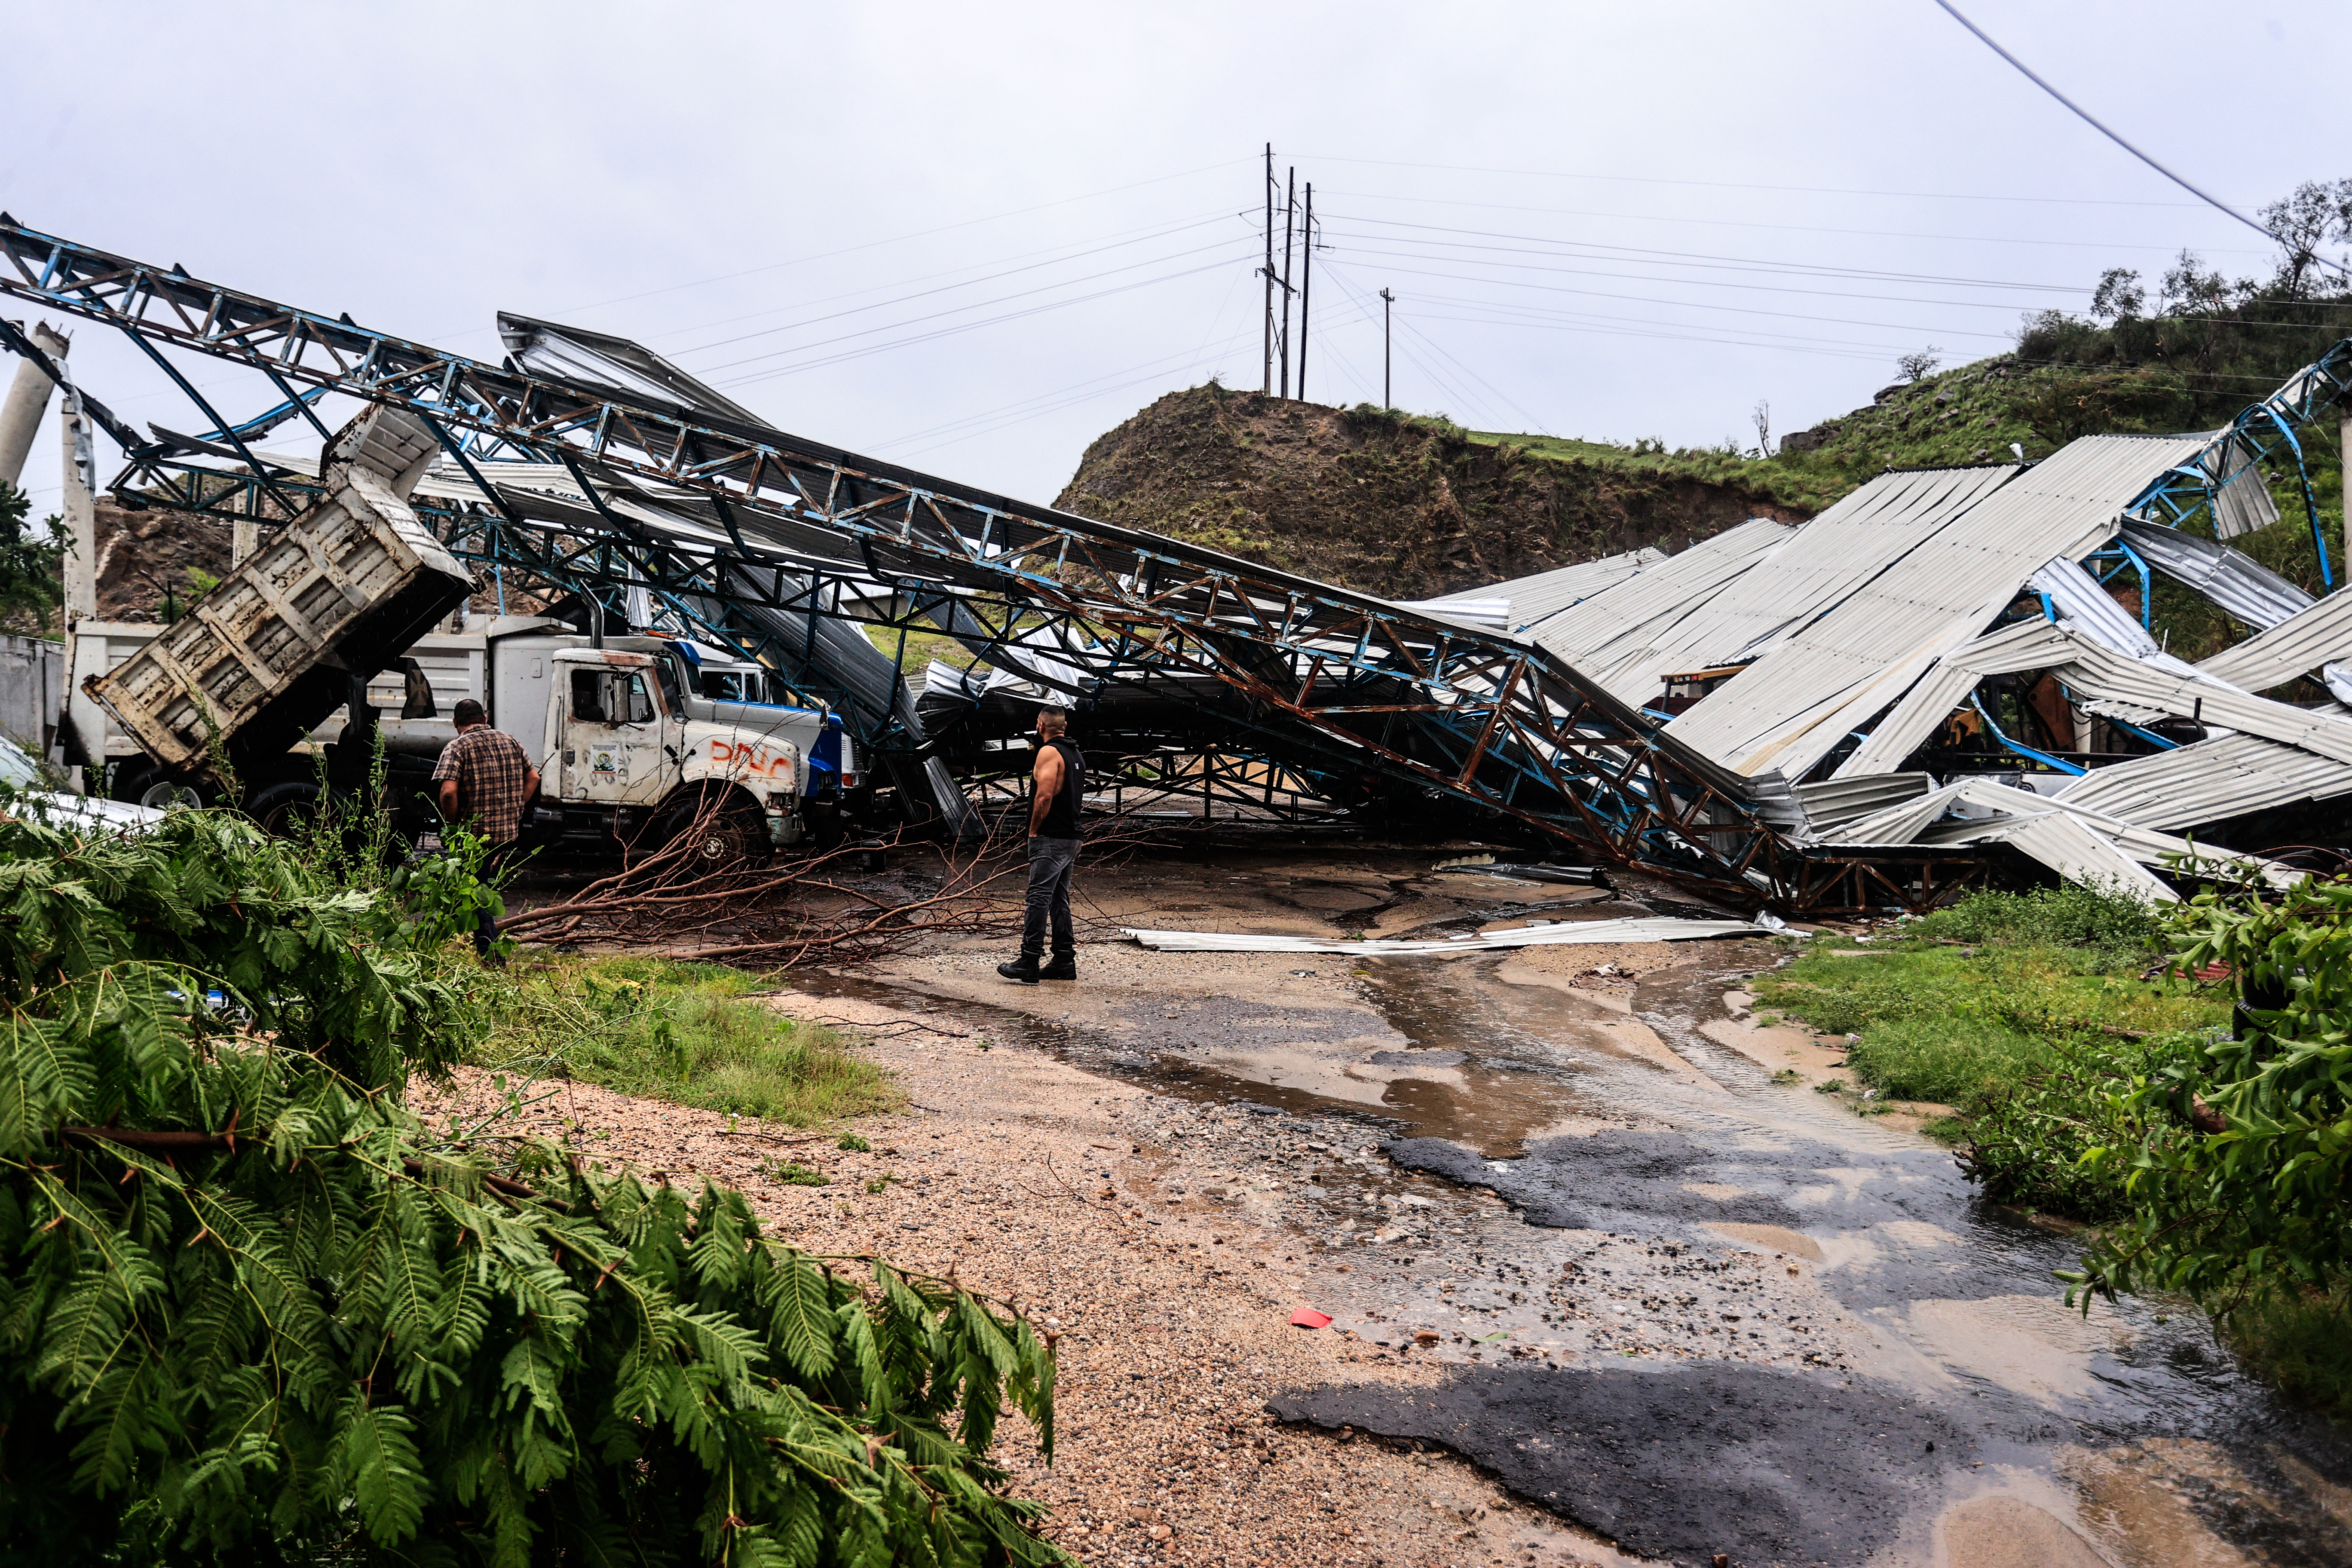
(2092, 121)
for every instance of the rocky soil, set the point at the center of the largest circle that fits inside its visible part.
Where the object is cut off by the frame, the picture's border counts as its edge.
(1406, 508)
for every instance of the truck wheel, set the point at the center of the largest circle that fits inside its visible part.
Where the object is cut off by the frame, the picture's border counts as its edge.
(286, 809)
(736, 832)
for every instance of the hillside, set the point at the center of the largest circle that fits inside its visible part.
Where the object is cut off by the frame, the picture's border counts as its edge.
(1411, 507)
(1382, 501)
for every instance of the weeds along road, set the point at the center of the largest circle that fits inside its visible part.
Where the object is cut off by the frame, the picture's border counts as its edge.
(1602, 1288)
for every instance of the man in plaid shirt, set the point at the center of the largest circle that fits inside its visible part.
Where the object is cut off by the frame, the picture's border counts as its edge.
(487, 781)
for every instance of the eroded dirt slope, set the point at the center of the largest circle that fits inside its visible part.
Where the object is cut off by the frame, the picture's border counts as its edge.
(1396, 507)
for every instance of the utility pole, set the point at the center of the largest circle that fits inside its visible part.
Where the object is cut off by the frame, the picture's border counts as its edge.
(1388, 398)
(1289, 205)
(1266, 385)
(1306, 284)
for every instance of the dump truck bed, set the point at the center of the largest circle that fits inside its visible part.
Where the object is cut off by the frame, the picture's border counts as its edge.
(341, 591)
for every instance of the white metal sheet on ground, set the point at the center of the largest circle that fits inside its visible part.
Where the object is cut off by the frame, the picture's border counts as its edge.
(2209, 781)
(1791, 706)
(1650, 927)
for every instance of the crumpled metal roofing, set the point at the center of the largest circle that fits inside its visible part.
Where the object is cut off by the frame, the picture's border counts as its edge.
(2318, 637)
(2209, 781)
(2237, 581)
(2088, 669)
(1791, 708)
(1530, 599)
(1620, 635)
(1809, 569)
(2076, 841)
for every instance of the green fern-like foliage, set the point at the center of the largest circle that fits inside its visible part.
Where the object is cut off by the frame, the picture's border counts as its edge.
(251, 1312)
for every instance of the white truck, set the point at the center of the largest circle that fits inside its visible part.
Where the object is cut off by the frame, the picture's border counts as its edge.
(636, 738)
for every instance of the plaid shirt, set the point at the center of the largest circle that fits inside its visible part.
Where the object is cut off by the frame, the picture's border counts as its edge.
(489, 767)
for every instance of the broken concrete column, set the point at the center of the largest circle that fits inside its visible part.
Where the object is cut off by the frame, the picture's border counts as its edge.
(28, 399)
(80, 508)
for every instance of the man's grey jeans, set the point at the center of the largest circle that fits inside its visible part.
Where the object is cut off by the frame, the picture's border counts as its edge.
(1051, 861)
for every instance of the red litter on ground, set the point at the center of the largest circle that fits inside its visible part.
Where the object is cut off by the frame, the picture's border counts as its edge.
(1308, 1318)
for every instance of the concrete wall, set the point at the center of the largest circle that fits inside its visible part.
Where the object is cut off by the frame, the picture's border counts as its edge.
(32, 685)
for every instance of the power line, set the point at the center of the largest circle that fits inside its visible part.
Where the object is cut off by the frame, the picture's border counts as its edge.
(924, 294)
(903, 239)
(2092, 121)
(1776, 228)
(963, 327)
(1742, 263)
(977, 305)
(1747, 184)
(1684, 282)
(1113, 241)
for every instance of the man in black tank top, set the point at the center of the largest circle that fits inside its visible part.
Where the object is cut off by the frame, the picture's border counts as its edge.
(1057, 786)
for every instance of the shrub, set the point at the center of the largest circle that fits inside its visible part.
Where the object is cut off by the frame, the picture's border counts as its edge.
(2238, 1174)
(2114, 926)
(251, 1312)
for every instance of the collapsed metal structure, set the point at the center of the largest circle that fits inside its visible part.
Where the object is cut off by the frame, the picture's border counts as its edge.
(585, 460)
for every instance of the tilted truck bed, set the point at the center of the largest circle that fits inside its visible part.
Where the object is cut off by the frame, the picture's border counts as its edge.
(341, 591)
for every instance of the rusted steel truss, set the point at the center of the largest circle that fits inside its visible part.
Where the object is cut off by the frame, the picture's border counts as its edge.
(1460, 712)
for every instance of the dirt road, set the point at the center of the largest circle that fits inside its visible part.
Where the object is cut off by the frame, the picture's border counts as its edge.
(1567, 1226)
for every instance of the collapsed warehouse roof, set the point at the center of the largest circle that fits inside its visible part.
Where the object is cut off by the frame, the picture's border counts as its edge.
(1795, 659)
(1864, 646)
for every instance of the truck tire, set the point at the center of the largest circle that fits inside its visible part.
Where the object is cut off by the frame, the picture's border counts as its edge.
(735, 832)
(285, 809)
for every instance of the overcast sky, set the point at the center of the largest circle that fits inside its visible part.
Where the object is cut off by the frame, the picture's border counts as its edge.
(972, 238)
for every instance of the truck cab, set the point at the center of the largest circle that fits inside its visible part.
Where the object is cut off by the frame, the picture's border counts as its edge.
(629, 748)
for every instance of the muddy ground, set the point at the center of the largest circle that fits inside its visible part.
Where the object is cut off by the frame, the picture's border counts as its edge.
(1602, 1288)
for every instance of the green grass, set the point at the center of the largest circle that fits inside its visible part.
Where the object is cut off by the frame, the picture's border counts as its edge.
(687, 1033)
(1960, 1007)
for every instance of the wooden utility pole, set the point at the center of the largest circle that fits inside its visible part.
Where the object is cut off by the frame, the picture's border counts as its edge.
(1305, 283)
(1266, 385)
(1289, 205)
(1388, 398)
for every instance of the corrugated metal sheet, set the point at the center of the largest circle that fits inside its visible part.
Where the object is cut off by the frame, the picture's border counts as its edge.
(2305, 641)
(2241, 501)
(2094, 671)
(1832, 803)
(2073, 850)
(2209, 781)
(2238, 582)
(2073, 839)
(1646, 928)
(1609, 634)
(1792, 706)
(1817, 565)
(1530, 599)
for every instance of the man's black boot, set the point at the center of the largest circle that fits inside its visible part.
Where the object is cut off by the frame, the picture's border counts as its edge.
(1063, 967)
(1024, 969)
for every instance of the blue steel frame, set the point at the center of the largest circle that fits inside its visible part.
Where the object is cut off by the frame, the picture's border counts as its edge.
(2186, 494)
